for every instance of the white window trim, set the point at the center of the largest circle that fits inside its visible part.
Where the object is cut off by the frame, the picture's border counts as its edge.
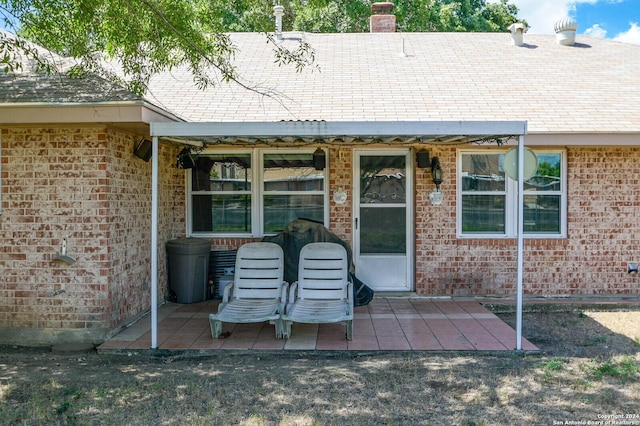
(511, 188)
(257, 191)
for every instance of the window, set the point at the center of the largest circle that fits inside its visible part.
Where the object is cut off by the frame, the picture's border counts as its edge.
(254, 192)
(292, 189)
(487, 196)
(221, 197)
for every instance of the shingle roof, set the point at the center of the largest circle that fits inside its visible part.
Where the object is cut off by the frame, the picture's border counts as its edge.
(592, 86)
(32, 87)
(28, 85)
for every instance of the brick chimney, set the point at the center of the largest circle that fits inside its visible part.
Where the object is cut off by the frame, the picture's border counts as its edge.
(381, 20)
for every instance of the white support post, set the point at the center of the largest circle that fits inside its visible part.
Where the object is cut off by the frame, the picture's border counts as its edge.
(154, 243)
(520, 242)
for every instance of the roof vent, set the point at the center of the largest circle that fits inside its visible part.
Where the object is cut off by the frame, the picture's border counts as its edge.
(517, 31)
(278, 11)
(566, 31)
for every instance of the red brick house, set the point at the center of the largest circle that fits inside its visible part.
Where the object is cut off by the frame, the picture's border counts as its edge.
(372, 104)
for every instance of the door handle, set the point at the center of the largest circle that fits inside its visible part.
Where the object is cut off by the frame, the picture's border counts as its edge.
(356, 223)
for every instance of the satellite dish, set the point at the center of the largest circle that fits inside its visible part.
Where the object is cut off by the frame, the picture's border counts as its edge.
(510, 163)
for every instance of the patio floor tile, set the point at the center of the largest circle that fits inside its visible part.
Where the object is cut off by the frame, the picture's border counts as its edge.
(420, 324)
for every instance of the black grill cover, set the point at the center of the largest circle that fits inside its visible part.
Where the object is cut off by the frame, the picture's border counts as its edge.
(301, 232)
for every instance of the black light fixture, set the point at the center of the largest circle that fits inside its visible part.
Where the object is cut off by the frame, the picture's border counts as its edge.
(143, 149)
(319, 160)
(436, 172)
(185, 159)
(422, 159)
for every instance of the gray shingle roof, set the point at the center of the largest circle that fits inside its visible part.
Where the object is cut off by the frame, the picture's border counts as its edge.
(593, 86)
(27, 85)
(590, 87)
(31, 87)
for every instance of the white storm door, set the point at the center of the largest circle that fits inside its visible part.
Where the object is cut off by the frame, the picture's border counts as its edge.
(383, 219)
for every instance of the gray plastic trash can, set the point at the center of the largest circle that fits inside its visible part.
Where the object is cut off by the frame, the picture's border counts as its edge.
(188, 268)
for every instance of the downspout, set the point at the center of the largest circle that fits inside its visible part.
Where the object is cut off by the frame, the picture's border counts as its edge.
(154, 243)
(520, 242)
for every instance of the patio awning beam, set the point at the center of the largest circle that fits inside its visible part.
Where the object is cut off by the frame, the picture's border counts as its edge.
(309, 131)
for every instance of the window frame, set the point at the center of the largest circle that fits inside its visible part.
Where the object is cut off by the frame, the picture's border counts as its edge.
(257, 191)
(511, 195)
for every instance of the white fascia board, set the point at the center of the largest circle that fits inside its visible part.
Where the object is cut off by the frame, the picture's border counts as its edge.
(107, 112)
(306, 129)
(584, 139)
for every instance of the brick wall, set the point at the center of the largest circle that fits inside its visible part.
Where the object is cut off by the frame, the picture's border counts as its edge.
(341, 176)
(603, 234)
(83, 185)
(603, 231)
(604, 220)
(128, 187)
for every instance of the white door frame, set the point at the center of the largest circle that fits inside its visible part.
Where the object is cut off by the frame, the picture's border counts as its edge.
(383, 260)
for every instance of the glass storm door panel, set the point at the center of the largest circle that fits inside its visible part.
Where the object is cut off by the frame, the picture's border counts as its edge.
(383, 244)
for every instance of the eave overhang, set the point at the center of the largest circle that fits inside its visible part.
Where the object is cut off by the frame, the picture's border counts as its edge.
(133, 115)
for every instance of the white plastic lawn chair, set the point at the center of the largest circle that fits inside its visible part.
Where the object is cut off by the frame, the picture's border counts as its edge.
(258, 292)
(323, 292)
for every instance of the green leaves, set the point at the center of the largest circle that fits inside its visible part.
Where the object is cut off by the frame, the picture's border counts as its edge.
(15, 53)
(343, 16)
(128, 41)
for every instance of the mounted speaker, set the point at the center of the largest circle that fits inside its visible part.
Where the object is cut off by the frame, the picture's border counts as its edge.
(185, 159)
(422, 159)
(143, 149)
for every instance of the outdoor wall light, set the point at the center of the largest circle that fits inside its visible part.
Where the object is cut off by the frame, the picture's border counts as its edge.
(632, 268)
(319, 160)
(185, 159)
(436, 196)
(422, 159)
(436, 172)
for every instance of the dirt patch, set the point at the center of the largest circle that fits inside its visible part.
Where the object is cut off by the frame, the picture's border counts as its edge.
(579, 331)
(588, 370)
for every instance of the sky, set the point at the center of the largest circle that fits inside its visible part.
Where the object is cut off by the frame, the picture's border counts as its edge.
(612, 19)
